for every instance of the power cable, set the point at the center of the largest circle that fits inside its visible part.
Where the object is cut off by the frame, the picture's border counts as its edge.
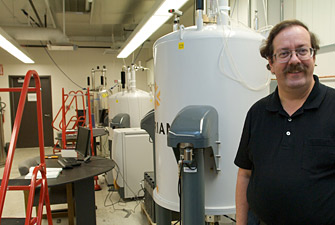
(138, 53)
(136, 197)
(62, 70)
(45, 49)
(230, 218)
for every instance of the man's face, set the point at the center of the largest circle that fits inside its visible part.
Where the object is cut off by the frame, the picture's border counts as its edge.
(295, 73)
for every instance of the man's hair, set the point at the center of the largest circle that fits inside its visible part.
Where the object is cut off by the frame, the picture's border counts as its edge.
(266, 49)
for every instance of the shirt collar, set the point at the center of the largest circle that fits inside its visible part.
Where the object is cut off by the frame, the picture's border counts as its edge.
(313, 101)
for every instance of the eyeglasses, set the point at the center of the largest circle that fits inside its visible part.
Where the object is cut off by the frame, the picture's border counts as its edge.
(304, 53)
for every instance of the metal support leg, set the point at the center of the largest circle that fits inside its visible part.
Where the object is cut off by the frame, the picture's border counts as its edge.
(85, 201)
(193, 192)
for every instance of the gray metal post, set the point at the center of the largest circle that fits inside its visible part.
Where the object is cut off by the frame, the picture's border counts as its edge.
(193, 192)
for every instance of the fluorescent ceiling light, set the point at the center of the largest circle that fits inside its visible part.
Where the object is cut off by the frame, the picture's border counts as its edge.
(62, 47)
(157, 16)
(8, 43)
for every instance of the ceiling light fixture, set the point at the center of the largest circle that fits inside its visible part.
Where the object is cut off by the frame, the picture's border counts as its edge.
(157, 16)
(62, 47)
(11, 46)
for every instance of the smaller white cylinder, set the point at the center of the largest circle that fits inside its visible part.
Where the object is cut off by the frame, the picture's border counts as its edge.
(200, 21)
(132, 84)
(128, 77)
(92, 79)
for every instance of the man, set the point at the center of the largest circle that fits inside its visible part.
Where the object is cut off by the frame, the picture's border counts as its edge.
(286, 156)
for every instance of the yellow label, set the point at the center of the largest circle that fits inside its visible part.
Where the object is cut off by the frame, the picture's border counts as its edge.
(181, 45)
(104, 95)
(117, 101)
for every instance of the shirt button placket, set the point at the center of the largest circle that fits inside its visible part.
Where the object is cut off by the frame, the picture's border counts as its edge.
(288, 133)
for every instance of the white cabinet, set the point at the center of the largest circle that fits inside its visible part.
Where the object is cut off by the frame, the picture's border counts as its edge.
(133, 153)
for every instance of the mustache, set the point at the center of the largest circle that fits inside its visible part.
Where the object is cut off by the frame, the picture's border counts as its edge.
(294, 68)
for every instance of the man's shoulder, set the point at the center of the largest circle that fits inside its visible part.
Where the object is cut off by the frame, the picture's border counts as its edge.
(329, 92)
(325, 97)
(263, 102)
(260, 107)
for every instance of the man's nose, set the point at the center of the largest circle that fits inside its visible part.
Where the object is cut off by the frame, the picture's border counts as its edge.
(294, 58)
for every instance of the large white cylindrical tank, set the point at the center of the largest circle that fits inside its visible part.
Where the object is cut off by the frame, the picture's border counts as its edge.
(215, 66)
(136, 103)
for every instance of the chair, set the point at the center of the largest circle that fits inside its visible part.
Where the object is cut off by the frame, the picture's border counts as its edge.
(62, 194)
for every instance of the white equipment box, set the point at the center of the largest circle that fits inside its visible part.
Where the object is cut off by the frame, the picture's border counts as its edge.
(133, 153)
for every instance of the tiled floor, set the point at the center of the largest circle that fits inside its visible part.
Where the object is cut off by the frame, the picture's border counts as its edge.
(110, 209)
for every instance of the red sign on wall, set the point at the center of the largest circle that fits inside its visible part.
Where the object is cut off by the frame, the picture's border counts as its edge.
(1, 69)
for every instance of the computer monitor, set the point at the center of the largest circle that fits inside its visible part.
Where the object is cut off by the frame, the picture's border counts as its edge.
(102, 115)
(83, 142)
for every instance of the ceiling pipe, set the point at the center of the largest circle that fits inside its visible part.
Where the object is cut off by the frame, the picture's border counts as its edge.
(34, 9)
(110, 39)
(281, 10)
(29, 17)
(249, 13)
(51, 16)
(92, 12)
(64, 18)
(56, 36)
(88, 4)
(36, 34)
(45, 21)
(107, 48)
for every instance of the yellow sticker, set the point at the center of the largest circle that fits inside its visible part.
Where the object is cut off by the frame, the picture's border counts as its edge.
(117, 101)
(104, 95)
(181, 45)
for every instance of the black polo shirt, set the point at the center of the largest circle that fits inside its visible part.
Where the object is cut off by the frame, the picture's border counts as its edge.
(292, 159)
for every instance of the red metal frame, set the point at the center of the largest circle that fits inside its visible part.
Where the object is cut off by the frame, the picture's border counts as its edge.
(62, 109)
(67, 103)
(44, 196)
(65, 125)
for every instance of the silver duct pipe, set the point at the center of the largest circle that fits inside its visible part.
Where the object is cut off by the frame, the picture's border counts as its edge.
(50, 14)
(36, 34)
(36, 13)
(249, 13)
(281, 10)
(64, 17)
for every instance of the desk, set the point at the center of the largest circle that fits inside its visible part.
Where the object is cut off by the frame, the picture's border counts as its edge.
(82, 178)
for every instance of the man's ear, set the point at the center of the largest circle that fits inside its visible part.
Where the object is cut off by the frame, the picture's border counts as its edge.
(270, 66)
